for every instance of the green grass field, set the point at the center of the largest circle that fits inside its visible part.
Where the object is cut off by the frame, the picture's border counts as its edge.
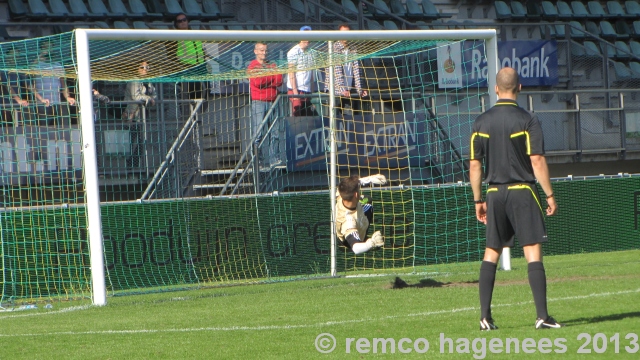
(593, 294)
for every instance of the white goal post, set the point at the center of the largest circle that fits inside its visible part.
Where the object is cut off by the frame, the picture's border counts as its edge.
(83, 36)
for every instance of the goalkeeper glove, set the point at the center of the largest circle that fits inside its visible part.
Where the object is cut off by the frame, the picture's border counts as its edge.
(377, 179)
(376, 241)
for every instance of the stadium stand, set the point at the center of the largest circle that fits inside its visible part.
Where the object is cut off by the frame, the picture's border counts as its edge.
(78, 8)
(17, 10)
(390, 25)
(622, 72)
(349, 7)
(193, 10)
(518, 11)
(616, 10)
(607, 31)
(174, 8)
(503, 12)
(157, 24)
(397, 8)
(549, 11)
(622, 28)
(596, 10)
(580, 11)
(633, 8)
(634, 46)
(140, 25)
(139, 10)
(98, 7)
(591, 49)
(33, 13)
(634, 66)
(534, 11)
(593, 27)
(5, 36)
(576, 30)
(547, 31)
(429, 10)
(608, 50)
(60, 9)
(622, 50)
(379, 10)
(636, 29)
(215, 26)
(560, 30)
(565, 13)
(577, 50)
(210, 7)
(118, 7)
(425, 11)
(196, 25)
(298, 8)
(119, 24)
(422, 25)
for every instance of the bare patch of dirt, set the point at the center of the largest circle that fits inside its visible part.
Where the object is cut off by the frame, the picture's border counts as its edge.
(398, 283)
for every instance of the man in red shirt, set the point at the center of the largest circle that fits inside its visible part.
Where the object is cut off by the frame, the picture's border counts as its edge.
(263, 92)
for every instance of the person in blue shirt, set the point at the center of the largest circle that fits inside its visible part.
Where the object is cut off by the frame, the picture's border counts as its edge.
(47, 87)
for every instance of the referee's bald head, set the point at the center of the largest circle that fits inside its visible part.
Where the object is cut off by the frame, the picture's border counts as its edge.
(508, 81)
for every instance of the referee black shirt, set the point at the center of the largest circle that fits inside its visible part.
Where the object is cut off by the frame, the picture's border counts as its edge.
(505, 136)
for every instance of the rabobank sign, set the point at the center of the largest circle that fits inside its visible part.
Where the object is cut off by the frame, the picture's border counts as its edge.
(535, 61)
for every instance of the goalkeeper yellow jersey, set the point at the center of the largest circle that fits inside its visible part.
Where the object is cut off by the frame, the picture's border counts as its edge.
(348, 220)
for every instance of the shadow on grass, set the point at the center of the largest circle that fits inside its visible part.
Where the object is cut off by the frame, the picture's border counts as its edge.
(398, 283)
(598, 319)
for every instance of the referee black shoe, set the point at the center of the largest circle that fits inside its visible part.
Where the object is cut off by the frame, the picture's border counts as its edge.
(487, 325)
(549, 323)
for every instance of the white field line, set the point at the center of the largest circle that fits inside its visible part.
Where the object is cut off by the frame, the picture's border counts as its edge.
(284, 327)
(29, 314)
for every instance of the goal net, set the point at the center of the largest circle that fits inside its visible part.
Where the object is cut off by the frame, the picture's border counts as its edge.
(155, 154)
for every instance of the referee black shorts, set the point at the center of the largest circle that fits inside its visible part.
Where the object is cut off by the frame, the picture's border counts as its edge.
(514, 209)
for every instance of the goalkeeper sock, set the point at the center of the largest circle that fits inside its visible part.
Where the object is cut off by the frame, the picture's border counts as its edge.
(360, 247)
(485, 283)
(538, 284)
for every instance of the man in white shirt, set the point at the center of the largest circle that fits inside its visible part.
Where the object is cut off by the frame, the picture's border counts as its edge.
(300, 58)
(47, 86)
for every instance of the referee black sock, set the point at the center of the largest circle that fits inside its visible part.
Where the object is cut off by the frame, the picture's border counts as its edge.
(486, 282)
(538, 283)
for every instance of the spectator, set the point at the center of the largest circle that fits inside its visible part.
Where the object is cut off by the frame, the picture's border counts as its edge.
(347, 81)
(139, 92)
(263, 91)
(12, 93)
(300, 82)
(190, 55)
(47, 87)
(102, 100)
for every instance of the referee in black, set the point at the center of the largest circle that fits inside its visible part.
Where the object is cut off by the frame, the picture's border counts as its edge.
(509, 140)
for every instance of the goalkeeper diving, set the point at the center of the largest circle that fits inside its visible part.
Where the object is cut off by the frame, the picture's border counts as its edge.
(354, 214)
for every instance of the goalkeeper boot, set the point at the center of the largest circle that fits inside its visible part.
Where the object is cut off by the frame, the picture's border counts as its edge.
(487, 325)
(549, 323)
(376, 240)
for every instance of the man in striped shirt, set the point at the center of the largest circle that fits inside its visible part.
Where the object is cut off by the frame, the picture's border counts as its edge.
(348, 84)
